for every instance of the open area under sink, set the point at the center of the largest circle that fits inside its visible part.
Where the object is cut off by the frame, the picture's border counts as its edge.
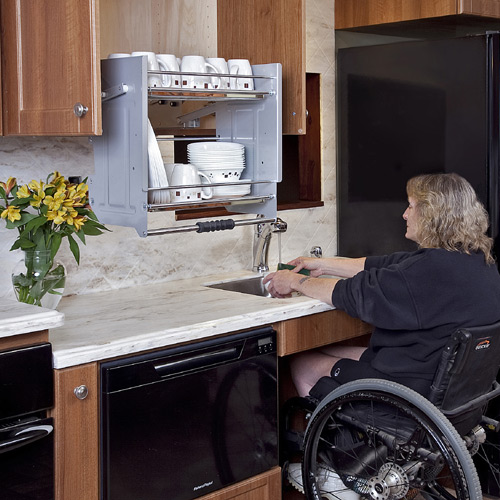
(252, 285)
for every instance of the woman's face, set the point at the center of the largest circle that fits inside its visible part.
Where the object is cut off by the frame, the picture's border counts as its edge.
(410, 216)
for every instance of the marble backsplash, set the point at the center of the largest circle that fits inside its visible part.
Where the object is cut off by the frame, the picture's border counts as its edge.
(121, 258)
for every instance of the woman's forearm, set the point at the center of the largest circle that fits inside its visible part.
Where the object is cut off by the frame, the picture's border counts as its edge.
(343, 267)
(316, 288)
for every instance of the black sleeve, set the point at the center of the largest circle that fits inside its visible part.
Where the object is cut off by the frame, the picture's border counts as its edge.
(380, 261)
(380, 296)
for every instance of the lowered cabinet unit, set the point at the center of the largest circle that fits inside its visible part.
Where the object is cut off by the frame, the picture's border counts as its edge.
(120, 189)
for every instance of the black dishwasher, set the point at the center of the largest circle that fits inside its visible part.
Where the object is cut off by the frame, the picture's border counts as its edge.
(26, 434)
(183, 422)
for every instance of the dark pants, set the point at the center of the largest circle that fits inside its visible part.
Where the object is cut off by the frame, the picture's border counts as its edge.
(347, 370)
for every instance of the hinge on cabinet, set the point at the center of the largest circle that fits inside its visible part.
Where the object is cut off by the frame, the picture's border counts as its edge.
(113, 92)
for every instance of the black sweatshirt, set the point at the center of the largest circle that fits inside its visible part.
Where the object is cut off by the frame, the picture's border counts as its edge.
(415, 300)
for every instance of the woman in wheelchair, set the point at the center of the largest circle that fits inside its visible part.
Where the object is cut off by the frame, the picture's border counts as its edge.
(375, 429)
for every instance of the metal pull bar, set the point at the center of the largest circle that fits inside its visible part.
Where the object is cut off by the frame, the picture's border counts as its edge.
(197, 362)
(226, 201)
(25, 436)
(196, 227)
(192, 73)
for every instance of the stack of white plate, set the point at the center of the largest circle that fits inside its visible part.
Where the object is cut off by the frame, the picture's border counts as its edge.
(221, 162)
(157, 173)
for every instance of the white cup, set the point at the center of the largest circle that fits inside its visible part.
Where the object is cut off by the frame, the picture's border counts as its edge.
(185, 174)
(168, 62)
(221, 65)
(118, 55)
(197, 64)
(154, 80)
(240, 67)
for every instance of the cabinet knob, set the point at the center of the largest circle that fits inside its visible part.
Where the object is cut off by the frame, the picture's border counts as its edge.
(81, 392)
(80, 110)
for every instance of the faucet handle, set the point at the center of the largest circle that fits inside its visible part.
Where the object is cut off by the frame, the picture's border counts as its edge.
(316, 252)
(280, 226)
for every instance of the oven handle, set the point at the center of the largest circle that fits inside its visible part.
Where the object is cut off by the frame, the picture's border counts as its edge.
(199, 361)
(24, 437)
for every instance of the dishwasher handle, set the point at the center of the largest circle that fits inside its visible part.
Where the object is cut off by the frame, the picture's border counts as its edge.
(198, 361)
(24, 437)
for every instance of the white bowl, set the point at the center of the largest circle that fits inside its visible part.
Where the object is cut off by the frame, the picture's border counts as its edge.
(221, 191)
(215, 146)
(218, 166)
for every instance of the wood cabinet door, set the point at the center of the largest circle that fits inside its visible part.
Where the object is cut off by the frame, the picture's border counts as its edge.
(1, 124)
(50, 63)
(349, 14)
(76, 429)
(269, 32)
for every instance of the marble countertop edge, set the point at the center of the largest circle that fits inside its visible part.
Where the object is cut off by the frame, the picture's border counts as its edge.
(17, 318)
(116, 323)
(76, 355)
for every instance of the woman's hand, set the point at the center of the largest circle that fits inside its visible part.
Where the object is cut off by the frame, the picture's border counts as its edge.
(329, 266)
(280, 284)
(312, 264)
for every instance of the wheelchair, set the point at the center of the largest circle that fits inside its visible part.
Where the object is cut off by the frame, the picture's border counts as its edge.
(384, 441)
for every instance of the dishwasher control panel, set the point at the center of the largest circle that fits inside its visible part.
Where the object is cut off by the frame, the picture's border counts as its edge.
(266, 345)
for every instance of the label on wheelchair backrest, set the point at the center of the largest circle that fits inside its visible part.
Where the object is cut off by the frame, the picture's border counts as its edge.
(483, 344)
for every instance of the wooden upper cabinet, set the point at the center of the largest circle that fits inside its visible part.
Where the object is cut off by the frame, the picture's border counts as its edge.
(50, 64)
(351, 14)
(1, 125)
(269, 32)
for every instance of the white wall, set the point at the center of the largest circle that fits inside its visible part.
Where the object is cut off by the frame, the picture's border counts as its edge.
(122, 259)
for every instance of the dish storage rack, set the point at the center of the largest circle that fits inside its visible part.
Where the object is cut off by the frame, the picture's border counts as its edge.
(119, 189)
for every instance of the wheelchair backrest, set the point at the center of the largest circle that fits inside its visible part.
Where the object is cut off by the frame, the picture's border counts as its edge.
(468, 369)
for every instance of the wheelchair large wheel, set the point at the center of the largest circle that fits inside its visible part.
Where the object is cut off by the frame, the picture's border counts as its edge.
(374, 439)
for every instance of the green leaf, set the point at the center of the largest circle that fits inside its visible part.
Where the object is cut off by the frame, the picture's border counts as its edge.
(23, 243)
(21, 202)
(91, 230)
(97, 224)
(55, 244)
(35, 223)
(2, 193)
(75, 249)
(92, 215)
(25, 218)
(81, 235)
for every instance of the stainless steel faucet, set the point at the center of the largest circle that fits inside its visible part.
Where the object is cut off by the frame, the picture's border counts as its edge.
(262, 237)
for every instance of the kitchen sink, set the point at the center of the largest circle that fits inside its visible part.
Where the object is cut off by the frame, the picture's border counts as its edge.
(251, 286)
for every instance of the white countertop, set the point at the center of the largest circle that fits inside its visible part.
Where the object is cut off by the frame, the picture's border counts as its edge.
(17, 318)
(125, 321)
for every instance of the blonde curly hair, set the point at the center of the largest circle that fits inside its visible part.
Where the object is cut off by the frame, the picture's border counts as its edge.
(449, 215)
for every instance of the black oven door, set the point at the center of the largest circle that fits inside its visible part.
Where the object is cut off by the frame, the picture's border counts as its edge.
(26, 459)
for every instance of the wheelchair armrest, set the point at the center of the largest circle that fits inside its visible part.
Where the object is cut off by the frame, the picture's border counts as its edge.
(475, 403)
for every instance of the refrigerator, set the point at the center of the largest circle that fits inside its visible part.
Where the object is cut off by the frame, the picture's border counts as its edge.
(408, 108)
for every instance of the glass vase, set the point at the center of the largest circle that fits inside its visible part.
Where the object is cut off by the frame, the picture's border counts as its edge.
(38, 280)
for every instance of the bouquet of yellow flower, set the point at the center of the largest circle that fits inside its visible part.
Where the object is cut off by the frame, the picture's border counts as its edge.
(44, 213)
